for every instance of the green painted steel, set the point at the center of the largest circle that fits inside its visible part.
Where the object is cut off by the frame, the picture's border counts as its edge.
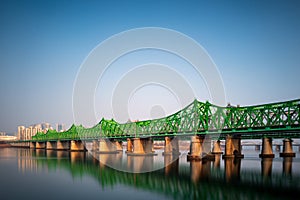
(276, 120)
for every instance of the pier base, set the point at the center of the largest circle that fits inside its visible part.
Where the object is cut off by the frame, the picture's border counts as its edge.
(51, 145)
(40, 145)
(63, 145)
(32, 145)
(129, 145)
(287, 148)
(266, 151)
(118, 145)
(198, 150)
(77, 145)
(217, 147)
(142, 147)
(233, 147)
(95, 146)
(106, 146)
(171, 146)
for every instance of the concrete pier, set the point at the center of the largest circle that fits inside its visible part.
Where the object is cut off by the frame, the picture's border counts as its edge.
(287, 148)
(200, 149)
(171, 146)
(106, 146)
(77, 145)
(142, 147)
(95, 146)
(62, 145)
(118, 145)
(129, 145)
(217, 147)
(32, 145)
(51, 145)
(233, 147)
(195, 148)
(266, 151)
(40, 145)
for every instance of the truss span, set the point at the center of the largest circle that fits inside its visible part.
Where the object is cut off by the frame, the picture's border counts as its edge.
(275, 119)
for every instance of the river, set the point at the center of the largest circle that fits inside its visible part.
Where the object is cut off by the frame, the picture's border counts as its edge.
(45, 174)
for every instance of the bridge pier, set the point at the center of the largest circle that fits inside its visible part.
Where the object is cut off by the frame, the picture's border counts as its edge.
(171, 146)
(106, 146)
(77, 145)
(200, 148)
(40, 145)
(129, 145)
(62, 145)
(233, 147)
(287, 148)
(51, 145)
(32, 145)
(142, 147)
(195, 148)
(118, 145)
(217, 147)
(266, 151)
(95, 146)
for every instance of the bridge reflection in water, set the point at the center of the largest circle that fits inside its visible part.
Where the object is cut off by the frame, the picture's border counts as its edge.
(217, 179)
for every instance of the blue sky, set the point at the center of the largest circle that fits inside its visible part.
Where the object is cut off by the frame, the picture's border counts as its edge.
(254, 44)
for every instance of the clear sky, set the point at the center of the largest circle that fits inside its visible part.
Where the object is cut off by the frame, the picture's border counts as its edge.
(254, 44)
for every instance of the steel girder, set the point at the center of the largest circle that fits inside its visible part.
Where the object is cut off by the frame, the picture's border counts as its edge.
(196, 118)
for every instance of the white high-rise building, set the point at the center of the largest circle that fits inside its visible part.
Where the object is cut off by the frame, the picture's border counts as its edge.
(21, 132)
(60, 127)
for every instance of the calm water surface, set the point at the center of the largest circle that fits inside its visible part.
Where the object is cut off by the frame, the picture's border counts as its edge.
(45, 174)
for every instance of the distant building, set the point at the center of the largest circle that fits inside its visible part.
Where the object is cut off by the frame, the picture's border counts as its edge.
(2, 134)
(26, 133)
(21, 132)
(60, 127)
(46, 126)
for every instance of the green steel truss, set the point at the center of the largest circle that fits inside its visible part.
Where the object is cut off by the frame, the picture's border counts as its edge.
(275, 119)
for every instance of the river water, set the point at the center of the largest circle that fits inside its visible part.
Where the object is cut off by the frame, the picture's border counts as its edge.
(46, 174)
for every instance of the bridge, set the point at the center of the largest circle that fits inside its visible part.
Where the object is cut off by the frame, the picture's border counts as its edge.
(202, 121)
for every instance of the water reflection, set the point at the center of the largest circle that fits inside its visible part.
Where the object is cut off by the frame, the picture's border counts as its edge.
(287, 166)
(193, 180)
(232, 169)
(266, 167)
(171, 165)
(140, 163)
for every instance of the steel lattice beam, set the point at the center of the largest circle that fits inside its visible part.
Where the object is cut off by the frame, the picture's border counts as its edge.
(276, 119)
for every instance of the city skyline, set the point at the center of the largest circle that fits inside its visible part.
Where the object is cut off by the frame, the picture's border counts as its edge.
(255, 46)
